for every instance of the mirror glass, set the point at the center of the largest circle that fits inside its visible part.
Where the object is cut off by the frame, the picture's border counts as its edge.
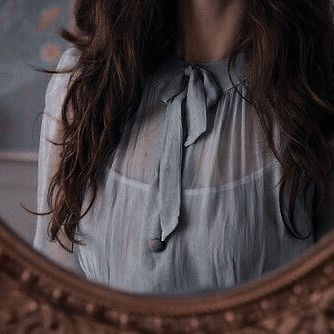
(229, 230)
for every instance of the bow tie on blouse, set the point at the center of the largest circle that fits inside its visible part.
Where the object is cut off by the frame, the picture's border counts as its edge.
(201, 92)
(197, 86)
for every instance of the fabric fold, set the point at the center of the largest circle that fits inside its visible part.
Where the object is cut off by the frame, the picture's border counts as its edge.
(201, 93)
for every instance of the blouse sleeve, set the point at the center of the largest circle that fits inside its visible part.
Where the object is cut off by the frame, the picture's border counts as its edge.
(324, 219)
(47, 163)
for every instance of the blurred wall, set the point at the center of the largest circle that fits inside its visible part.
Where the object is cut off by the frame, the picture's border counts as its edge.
(28, 39)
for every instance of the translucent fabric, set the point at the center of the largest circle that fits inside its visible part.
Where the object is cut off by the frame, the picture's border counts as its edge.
(195, 172)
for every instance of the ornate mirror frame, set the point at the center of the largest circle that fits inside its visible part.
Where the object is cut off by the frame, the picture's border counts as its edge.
(37, 296)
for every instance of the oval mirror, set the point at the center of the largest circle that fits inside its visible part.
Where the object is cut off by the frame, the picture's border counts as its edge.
(227, 262)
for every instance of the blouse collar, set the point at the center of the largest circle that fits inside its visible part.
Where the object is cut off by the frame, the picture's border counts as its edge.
(174, 66)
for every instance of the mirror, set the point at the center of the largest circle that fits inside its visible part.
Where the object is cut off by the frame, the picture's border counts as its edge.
(233, 269)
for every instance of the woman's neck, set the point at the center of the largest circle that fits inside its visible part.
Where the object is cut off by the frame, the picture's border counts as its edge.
(208, 28)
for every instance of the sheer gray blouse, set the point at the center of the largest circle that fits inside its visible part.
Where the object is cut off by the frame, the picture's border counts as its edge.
(190, 201)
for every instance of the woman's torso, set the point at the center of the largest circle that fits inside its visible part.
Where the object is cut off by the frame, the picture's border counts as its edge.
(229, 230)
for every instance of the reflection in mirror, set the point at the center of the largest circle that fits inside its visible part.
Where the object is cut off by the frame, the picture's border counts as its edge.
(184, 183)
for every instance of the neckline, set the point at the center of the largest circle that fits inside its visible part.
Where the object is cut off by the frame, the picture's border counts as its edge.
(176, 59)
(171, 66)
(218, 68)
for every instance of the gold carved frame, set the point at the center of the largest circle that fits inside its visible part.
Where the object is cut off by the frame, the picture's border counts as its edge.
(37, 296)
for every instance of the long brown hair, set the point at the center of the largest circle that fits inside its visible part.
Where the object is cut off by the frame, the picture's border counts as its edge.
(289, 47)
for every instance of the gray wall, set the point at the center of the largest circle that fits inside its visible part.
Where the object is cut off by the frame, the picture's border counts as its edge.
(28, 39)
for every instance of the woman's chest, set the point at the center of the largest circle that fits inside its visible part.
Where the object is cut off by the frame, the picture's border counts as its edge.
(224, 235)
(212, 206)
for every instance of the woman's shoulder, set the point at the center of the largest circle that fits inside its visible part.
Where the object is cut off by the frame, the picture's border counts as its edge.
(58, 83)
(68, 58)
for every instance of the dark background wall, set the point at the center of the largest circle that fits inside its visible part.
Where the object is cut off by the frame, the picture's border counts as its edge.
(27, 39)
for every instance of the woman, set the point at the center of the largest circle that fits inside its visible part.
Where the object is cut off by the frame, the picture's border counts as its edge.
(194, 142)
